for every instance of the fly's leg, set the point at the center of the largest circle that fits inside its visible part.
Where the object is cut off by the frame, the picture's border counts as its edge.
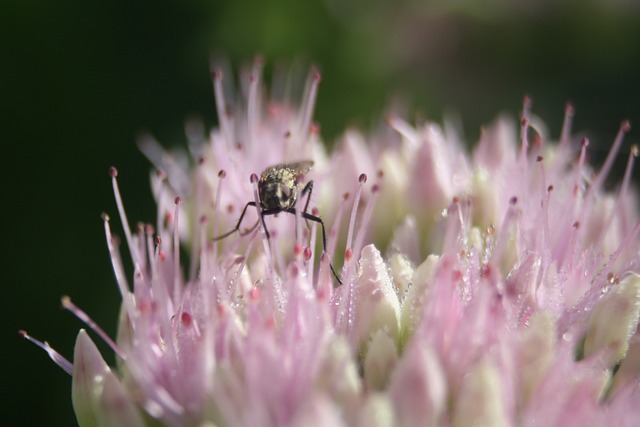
(237, 227)
(314, 218)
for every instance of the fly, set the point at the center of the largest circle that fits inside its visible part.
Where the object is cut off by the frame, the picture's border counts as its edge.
(278, 192)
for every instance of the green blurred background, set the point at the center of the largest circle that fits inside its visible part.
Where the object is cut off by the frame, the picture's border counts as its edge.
(79, 79)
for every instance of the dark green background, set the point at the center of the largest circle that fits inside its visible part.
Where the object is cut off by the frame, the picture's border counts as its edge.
(79, 79)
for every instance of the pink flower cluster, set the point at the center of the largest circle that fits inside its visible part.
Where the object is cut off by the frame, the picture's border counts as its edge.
(497, 288)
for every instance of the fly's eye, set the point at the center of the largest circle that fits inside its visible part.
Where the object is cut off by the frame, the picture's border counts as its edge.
(284, 193)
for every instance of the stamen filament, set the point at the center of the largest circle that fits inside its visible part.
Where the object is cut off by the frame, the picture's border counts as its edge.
(226, 125)
(116, 263)
(308, 104)
(177, 283)
(54, 355)
(113, 172)
(84, 317)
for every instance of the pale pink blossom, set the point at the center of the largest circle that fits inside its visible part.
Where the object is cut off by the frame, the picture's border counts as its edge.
(497, 288)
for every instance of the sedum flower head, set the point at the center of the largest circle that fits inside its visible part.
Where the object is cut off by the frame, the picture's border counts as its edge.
(496, 288)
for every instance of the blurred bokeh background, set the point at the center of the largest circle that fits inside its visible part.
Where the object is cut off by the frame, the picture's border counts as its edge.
(80, 79)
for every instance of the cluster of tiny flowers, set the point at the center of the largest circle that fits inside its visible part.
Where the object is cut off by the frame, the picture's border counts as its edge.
(496, 288)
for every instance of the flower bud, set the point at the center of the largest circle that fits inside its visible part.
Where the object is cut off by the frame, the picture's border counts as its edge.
(418, 387)
(416, 296)
(97, 395)
(377, 411)
(339, 376)
(480, 401)
(614, 320)
(380, 360)
(378, 306)
(535, 351)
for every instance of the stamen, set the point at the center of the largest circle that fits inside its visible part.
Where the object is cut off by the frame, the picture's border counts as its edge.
(261, 226)
(186, 319)
(118, 270)
(453, 228)
(253, 103)
(159, 196)
(149, 230)
(569, 112)
(625, 127)
(461, 215)
(159, 255)
(351, 311)
(621, 195)
(604, 171)
(348, 254)
(223, 117)
(163, 160)
(297, 215)
(197, 207)
(324, 284)
(177, 288)
(307, 253)
(158, 287)
(524, 126)
(113, 173)
(504, 235)
(222, 174)
(278, 260)
(405, 130)
(312, 244)
(203, 246)
(343, 304)
(195, 132)
(580, 167)
(608, 266)
(524, 140)
(294, 272)
(54, 355)
(333, 232)
(139, 240)
(356, 202)
(308, 103)
(366, 217)
(297, 250)
(545, 196)
(84, 317)
(254, 294)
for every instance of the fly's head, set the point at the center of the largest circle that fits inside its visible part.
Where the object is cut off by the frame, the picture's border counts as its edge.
(278, 185)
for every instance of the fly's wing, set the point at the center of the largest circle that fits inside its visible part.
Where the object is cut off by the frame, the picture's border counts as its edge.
(295, 168)
(301, 167)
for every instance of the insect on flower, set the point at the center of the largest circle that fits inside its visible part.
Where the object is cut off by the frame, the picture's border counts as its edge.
(278, 192)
